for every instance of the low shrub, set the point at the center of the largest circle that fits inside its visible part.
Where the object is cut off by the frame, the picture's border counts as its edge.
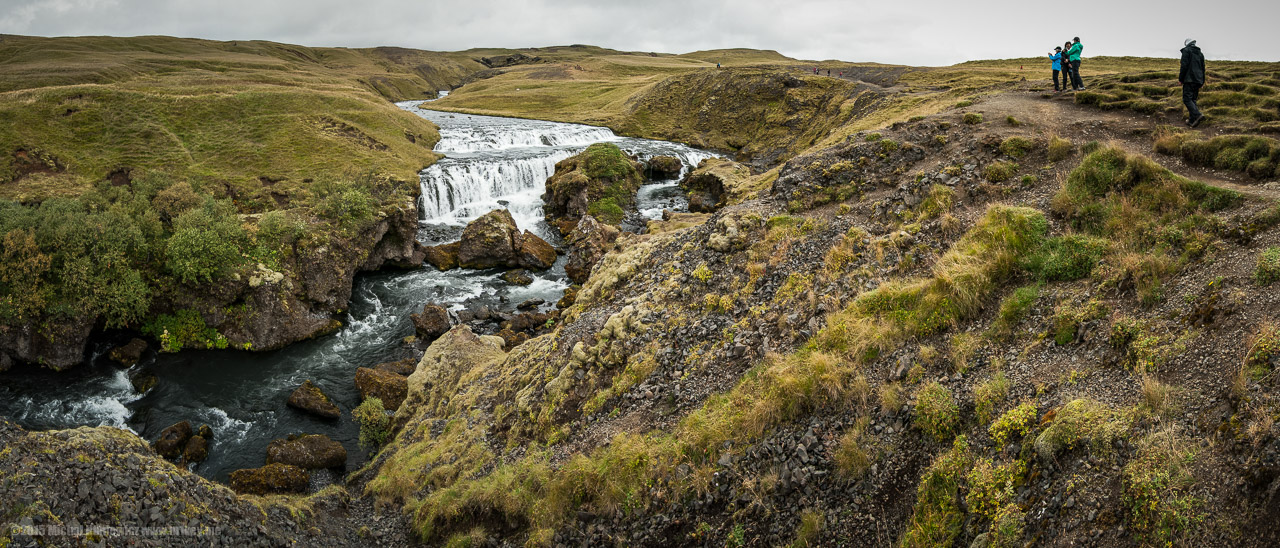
(1060, 149)
(375, 423)
(1066, 258)
(1268, 269)
(972, 118)
(1000, 171)
(936, 411)
(1157, 489)
(1015, 423)
(1016, 147)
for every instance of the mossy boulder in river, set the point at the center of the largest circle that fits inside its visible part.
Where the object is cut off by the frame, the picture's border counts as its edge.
(601, 181)
(311, 399)
(493, 240)
(432, 322)
(173, 439)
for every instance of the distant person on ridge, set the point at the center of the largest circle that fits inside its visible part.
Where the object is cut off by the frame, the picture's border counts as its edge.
(1191, 76)
(1056, 57)
(1074, 54)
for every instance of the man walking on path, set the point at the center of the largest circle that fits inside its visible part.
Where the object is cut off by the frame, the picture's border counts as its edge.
(1074, 55)
(1191, 76)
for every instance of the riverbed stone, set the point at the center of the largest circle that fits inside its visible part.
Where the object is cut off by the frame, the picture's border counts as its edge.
(173, 439)
(443, 256)
(663, 167)
(311, 399)
(128, 354)
(493, 241)
(518, 276)
(432, 322)
(272, 478)
(5, 362)
(312, 451)
(196, 450)
(386, 386)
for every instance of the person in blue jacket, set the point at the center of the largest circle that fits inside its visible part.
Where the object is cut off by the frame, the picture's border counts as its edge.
(1056, 57)
(1074, 55)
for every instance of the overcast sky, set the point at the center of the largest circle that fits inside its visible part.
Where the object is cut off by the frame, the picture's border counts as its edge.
(917, 32)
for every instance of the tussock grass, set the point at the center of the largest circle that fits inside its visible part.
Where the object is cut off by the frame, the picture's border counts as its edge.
(1157, 488)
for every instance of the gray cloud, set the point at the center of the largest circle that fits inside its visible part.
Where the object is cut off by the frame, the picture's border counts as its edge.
(927, 32)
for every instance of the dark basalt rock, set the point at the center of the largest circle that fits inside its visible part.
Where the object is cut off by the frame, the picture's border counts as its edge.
(518, 276)
(272, 478)
(443, 256)
(588, 242)
(311, 452)
(128, 354)
(173, 440)
(663, 167)
(196, 450)
(493, 240)
(432, 322)
(311, 399)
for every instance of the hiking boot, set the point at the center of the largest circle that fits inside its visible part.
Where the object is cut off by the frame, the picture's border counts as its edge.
(1197, 121)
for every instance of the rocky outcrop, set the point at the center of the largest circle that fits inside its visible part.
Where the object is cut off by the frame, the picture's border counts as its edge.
(311, 399)
(600, 181)
(443, 256)
(312, 451)
(663, 167)
(403, 367)
(432, 322)
(384, 385)
(128, 354)
(272, 478)
(588, 242)
(714, 182)
(173, 440)
(499, 61)
(493, 240)
(257, 308)
(58, 345)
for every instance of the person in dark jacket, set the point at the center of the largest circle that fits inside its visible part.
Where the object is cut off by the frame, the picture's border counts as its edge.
(1191, 76)
(1066, 66)
(1056, 57)
(1074, 55)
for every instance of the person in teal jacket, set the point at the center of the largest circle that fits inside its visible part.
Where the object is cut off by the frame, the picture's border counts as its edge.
(1056, 57)
(1074, 55)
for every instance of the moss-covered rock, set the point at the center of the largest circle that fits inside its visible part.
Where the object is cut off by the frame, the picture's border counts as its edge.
(443, 256)
(386, 386)
(196, 450)
(311, 399)
(311, 451)
(173, 439)
(272, 478)
(432, 322)
(128, 354)
(588, 242)
(714, 182)
(601, 181)
(493, 240)
(663, 167)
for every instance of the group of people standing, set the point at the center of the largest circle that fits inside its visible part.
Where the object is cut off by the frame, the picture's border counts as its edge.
(1066, 61)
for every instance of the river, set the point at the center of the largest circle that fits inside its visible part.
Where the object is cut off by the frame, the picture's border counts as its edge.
(490, 163)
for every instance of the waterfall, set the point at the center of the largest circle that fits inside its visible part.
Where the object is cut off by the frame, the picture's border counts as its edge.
(458, 190)
(492, 137)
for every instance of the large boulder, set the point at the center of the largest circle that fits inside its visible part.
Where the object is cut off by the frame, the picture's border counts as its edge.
(663, 167)
(196, 450)
(432, 322)
(588, 242)
(403, 367)
(600, 181)
(384, 385)
(311, 399)
(311, 452)
(493, 240)
(443, 256)
(128, 354)
(173, 440)
(272, 478)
